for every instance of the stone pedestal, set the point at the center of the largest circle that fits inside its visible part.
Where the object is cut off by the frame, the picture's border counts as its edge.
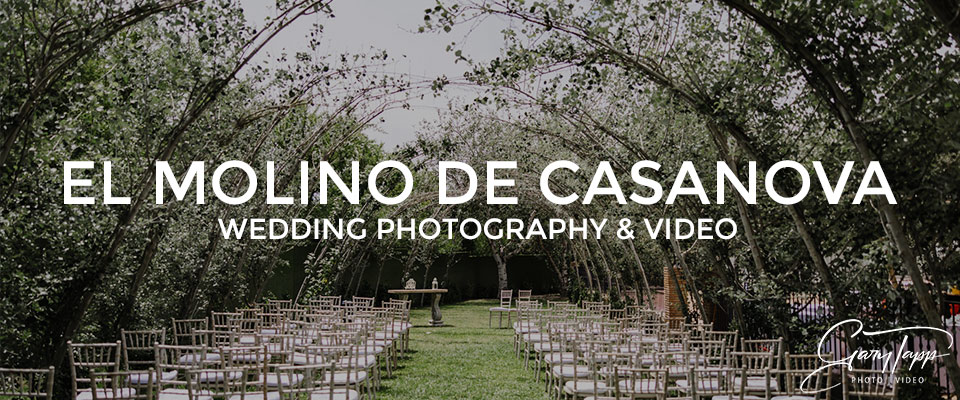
(436, 319)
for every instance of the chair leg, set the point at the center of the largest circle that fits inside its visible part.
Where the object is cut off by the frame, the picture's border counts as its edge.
(389, 363)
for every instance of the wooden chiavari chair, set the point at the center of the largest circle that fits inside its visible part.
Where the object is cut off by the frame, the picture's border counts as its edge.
(27, 383)
(138, 354)
(118, 385)
(86, 358)
(506, 303)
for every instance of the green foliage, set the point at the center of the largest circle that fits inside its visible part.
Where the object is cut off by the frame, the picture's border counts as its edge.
(134, 83)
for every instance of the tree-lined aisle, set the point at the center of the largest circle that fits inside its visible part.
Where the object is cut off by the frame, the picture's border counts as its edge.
(465, 360)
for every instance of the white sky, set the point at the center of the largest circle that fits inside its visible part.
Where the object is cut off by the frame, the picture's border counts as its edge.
(390, 25)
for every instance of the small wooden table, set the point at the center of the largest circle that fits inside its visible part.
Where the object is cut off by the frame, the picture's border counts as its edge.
(437, 319)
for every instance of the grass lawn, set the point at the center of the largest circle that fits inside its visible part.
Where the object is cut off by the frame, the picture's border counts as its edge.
(464, 360)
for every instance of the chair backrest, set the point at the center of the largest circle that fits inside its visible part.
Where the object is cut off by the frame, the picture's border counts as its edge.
(753, 362)
(279, 348)
(271, 322)
(221, 321)
(332, 300)
(676, 340)
(216, 338)
(653, 316)
(869, 384)
(774, 346)
(183, 334)
(729, 338)
(249, 313)
(616, 314)
(253, 359)
(524, 294)
(221, 383)
(138, 347)
(277, 305)
(697, 329)
(180, 359)
(506, 298)
(363, 302)
(708, 383)
(714, 352)
(302, 381)
(643, 383)
(27, 383)
(805, 375)
(675, 323)
(118, 385)
(89, 357)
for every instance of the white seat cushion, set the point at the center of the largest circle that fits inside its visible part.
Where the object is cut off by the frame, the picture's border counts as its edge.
(338, 394)
(143, 378)
(256, 396)
(501, 309)
(276, 347)
(647, 359)
(249, 357)
(571, 371)
(534, 337)
(794, 397)
(558, 358)
(757, 383)
(582, 387)
(285, 379)
(364, 350)
(218, 376)
(363, 361)
(705, 385)
(525, 328)
(122, 393)
(181, 394)
(545, 346)
(386, 335)
(300, 359)
(645, 386)
(195, 358)
(345, 377)
(678, 371)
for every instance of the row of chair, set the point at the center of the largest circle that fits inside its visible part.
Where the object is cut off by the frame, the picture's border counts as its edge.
(325, 349)
(593, 351)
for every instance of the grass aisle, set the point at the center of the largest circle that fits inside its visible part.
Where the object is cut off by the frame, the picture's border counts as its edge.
(464, 360)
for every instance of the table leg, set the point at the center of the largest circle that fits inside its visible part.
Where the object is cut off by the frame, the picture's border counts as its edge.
(437, 319)
(403, 296)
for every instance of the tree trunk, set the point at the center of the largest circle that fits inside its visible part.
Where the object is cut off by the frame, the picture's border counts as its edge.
(606, 267)
(745, 219)
(691, 281)
(189, 303)
(643, 274)
(146, 260)
(501, 270)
